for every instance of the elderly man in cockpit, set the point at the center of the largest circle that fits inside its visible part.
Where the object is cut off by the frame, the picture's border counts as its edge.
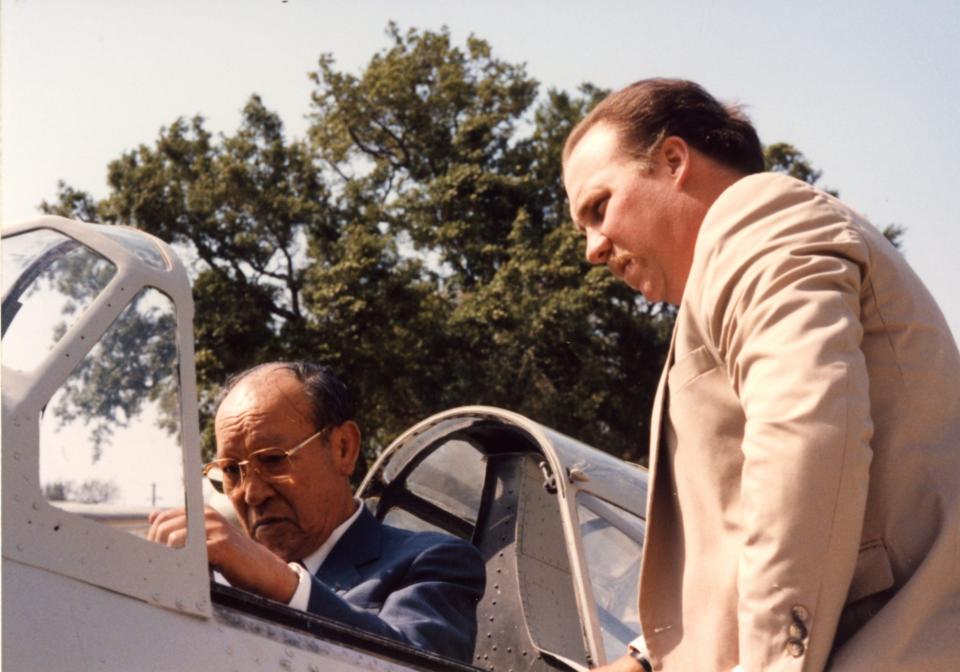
(286, 447)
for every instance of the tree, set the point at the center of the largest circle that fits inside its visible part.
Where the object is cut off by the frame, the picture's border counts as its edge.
(432, 133)
(782, 157)
(429, 128)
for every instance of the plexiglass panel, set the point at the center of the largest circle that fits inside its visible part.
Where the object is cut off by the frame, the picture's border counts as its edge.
(49, 279)
(452, 478)
(612, 542)
(110, 438)
(144, 248)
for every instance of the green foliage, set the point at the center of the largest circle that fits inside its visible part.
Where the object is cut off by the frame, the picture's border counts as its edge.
(569, 346)
(426, 135)
(782, 157)
(418, 242)
(71, 203)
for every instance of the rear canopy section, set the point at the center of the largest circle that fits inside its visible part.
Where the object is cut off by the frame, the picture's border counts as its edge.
(558, 523)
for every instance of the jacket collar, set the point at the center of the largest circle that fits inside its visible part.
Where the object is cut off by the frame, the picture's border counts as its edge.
(359, 545)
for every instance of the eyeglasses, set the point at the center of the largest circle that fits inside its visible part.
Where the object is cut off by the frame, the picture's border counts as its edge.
(271, 464)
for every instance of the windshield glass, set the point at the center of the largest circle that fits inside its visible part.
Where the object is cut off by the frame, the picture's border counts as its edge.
(110, 439)
(612, 542)
(452, 478)
(49, 279)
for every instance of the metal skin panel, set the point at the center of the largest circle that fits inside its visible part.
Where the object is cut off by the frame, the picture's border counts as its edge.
(87, 628)
(542, 565)
(518, 588)
(36, 533)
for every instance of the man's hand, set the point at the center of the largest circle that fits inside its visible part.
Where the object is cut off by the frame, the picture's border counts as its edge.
(242, 561)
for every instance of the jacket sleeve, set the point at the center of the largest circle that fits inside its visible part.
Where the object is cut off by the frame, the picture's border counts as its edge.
(786, 324)
(431, 603)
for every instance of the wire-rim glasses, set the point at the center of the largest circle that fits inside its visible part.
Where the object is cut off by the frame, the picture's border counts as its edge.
(271, 464)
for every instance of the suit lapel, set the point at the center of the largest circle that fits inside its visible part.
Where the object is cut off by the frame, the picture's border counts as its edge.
(656, 421)
(659, 403)
(359, 545)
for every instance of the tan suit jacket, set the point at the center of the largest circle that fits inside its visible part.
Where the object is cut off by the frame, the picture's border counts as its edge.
(805, 450)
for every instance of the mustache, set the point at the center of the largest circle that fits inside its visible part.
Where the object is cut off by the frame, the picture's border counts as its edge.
(619, 261)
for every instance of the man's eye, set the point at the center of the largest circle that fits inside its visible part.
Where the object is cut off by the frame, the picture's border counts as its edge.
(600, 209)
(232, 469)
(272, 459)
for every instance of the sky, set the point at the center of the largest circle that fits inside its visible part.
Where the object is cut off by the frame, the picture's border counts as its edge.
(868, 90)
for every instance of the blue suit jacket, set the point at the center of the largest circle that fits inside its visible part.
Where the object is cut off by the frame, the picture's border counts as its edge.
(421, 588)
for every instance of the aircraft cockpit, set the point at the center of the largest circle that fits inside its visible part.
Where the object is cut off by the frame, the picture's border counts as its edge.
(98, 356)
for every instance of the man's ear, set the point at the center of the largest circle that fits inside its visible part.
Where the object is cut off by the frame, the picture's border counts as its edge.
(674, 154)
(346, 447)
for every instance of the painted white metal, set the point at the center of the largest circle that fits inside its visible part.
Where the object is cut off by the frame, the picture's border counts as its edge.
(78, 626)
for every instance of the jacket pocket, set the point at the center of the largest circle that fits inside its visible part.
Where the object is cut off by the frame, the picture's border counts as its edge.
(871, 589)
(873, 573)
(693, 364)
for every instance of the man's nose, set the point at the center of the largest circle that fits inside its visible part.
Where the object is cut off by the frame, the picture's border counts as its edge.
(255, 490)
(598, 247)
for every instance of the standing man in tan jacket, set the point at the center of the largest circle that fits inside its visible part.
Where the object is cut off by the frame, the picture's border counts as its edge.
(804, 506)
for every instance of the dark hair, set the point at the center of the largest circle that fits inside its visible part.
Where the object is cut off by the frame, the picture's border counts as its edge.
(329, 398)
(648, 111)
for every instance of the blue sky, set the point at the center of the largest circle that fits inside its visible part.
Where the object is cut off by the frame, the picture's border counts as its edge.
(870, 91)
